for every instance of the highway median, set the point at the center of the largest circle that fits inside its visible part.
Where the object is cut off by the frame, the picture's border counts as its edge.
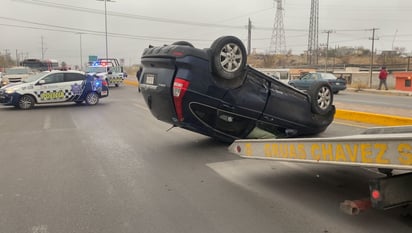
(372, 118)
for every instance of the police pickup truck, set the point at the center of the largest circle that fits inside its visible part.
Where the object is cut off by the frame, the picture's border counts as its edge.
(54, 87)
(14, 74)
(109, 69)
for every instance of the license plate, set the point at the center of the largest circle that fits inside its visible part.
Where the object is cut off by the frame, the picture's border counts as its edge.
(337, 84)
(150, 79)
(104, 93)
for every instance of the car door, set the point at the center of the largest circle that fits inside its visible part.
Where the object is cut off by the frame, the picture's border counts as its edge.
(49, 89)
(306, 81)
(243, 106)
(72, 85)
(285, 108)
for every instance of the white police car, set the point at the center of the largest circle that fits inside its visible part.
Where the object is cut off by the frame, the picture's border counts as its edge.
(54, 87)
(109, 69)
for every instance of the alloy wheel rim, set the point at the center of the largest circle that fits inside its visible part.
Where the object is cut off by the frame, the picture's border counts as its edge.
(231, 57)
(324, 98)
(25, 102)
(92, 98)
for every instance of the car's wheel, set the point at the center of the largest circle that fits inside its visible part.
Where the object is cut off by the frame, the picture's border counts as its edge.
(228, 57)
(321, 97)
(26, 102)
(184, 43)
(116, 85)
(92, 98)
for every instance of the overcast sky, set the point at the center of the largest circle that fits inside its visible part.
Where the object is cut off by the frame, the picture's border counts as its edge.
(134, 24)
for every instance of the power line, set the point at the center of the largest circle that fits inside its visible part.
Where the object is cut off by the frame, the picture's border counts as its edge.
(125, 15)
(90, 32)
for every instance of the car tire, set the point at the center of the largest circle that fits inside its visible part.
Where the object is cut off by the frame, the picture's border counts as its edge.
(321, 98)
(26, 102)
(116, 85)
(228, 58)
(92, 98)
(183, 43)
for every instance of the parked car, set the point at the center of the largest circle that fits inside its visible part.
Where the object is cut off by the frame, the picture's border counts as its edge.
(54, 87)
(307, 80)
(15, 74)
(214, 92)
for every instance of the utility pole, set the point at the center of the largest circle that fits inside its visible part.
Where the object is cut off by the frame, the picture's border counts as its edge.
(373, 49)
(327, 49)
(43, 49)
(249, 37)
(81, 52)
(17, 58)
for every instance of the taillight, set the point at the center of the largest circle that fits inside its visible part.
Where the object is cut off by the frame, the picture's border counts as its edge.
(179, 89)
(376, 195)
(104, 82)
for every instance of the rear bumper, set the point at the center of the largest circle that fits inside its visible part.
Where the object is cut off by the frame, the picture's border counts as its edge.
(338, 88)
(9, 99)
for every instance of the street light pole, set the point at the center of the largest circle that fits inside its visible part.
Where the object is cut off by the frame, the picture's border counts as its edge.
(373, 47)
(105, 27)
(327, 49)
(105, 24)
(81, 52)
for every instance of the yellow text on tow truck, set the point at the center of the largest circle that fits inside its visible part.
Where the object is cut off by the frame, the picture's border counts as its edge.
(375, 153)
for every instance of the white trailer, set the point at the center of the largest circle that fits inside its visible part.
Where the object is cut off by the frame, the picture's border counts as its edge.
(385, 148)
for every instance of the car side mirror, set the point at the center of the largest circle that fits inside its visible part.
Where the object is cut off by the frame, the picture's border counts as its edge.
(41, 82)
(110, 72)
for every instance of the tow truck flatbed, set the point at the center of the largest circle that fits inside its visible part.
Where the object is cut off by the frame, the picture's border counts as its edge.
(385, 148)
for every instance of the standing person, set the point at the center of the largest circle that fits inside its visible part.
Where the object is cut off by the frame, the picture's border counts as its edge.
(383, 74)
(138, 74)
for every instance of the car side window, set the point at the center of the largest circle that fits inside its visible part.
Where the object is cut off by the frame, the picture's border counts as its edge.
(307, 77)
(54, 78)
(71, 77)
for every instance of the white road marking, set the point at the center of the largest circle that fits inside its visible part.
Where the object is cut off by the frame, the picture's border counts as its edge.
(141, 107)
(47, 122)
(39, 229)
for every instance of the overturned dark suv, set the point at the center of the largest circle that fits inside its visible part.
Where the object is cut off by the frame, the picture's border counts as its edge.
(214, 92)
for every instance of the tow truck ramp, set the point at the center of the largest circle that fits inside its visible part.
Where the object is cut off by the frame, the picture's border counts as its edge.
(385, 148)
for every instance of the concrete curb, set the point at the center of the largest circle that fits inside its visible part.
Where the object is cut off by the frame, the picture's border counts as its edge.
(349, 115)
(372, 118)
(131, 83)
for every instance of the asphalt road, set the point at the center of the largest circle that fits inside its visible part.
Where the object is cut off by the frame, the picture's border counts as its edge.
(382, 102)
(115, 168)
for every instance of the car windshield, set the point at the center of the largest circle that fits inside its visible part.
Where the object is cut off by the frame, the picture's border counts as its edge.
(328, 76)
(17, 71)
(35, 77)
(96, 69)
